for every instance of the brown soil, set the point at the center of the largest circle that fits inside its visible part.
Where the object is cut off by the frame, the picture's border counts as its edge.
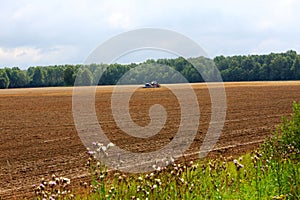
(38, 136)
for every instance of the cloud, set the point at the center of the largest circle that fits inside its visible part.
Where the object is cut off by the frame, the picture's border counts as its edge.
(279, 15)
(274, 45)
(77, 27)
(38, 56)
(119, 20)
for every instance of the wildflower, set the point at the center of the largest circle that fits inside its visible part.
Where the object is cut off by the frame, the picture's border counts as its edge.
(241, 166)
(194, 167)
(66, 180)
(42, 186)
(110, 145)
(181, 179)
(139, 188)
(191, 188)
(154, 186)
(158, 181)
(112, 188)
(102, 176)
(99, 144)
(52, 184)
(237, 164)
(98, 164)
(91, 152)
(102, 149)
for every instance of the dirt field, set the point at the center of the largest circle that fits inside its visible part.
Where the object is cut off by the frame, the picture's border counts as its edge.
(38, 136)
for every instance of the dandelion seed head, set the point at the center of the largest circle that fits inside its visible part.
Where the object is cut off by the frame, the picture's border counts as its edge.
(110, 145)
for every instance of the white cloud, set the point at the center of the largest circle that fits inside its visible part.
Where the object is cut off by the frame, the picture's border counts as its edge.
(279, 14)
(274, 45)
(119, 20)
(37, 56)
(76, 27)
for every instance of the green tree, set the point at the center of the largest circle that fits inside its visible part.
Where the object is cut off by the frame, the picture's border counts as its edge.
(69, 75)
(295, 69)
(253, 74)
(54, 75)
(221, 62)
(22, 79)
(84, 77)
(18, 78)
(4, 80)
(247, 66)
(276, 66)
(38, 77)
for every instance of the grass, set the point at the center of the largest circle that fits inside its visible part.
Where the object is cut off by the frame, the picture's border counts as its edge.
(271, 172)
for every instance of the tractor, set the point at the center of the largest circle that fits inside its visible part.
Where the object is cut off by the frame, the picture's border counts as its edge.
(153, 84)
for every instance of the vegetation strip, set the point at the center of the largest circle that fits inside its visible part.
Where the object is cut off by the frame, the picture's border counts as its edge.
(271, 67)
(271, 172)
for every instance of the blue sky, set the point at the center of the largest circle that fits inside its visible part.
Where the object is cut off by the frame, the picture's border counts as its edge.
(35, 32)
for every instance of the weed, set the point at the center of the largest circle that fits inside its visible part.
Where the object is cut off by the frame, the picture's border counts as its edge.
(271, 172)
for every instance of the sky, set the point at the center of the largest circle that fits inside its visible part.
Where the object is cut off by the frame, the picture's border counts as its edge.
(52, 32)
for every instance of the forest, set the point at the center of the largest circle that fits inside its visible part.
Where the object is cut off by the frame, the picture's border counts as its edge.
(270, 67)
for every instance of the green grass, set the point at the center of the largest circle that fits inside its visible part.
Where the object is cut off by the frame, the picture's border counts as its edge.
(271, 172)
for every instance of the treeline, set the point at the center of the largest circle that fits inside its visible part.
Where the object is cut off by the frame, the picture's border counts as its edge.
(271, 67)
(279, 66)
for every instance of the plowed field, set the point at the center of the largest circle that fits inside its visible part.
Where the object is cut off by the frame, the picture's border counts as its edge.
(38, 136)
